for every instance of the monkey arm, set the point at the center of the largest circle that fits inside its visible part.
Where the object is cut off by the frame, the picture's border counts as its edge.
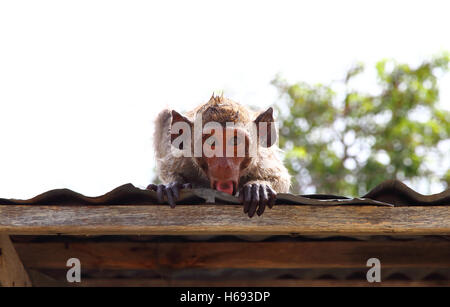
(277, 177)
(269, 168)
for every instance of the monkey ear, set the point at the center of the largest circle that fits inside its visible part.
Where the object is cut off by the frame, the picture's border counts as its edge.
(267, 135)
(176, 118)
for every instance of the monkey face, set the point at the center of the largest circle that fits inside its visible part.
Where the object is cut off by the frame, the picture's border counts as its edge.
(223, 157)
(220, 146)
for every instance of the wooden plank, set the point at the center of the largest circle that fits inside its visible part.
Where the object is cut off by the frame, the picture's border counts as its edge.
(255, 283)
(148, 282)
(12, 272)
(213, 255)
(40, 279)
(221, 219)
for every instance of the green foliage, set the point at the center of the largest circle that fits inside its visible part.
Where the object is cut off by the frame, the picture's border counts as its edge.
(346, 142)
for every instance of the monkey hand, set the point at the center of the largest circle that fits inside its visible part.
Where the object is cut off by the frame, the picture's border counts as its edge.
(171, 190)
(257, 195)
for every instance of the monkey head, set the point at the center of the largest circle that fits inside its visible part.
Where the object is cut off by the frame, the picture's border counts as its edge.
(222, 139)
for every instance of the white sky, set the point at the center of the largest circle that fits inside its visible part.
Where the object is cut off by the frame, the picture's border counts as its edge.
(81, 81)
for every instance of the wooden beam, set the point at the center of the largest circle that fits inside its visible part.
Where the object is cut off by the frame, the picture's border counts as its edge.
(255, 283)
(12, 272)
(40, 279)
(225, 219)
(213, 255)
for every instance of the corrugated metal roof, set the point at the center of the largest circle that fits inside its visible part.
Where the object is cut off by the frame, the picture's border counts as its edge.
(388, 193)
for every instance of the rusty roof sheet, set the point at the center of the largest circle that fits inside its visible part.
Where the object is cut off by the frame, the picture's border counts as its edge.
(388, 193)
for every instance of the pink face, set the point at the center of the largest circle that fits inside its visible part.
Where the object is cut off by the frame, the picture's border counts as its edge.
(227, 153)
(224, 171)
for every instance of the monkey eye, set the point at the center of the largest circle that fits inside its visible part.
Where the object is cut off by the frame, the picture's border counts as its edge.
(234, 141)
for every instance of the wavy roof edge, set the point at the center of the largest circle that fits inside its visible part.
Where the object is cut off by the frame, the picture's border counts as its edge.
(387, 193)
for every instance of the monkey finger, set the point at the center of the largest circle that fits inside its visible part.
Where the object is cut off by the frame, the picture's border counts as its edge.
(175, 187)
(170, 197)
(272, 196)
(255, 200)
(247, 196)
(264, 199)
(160, 193)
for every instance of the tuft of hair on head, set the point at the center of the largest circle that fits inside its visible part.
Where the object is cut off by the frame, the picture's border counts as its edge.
(216, 98)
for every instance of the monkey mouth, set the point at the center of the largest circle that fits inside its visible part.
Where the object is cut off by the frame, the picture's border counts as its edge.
(226, 186)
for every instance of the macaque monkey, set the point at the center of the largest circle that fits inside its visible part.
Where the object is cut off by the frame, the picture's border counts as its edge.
(220, 145)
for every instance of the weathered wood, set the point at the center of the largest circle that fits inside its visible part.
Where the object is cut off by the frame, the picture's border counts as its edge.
(45, 281)
(255, 283)
(324, 254)
(12, 272)
(220, 219)
(40, 279)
